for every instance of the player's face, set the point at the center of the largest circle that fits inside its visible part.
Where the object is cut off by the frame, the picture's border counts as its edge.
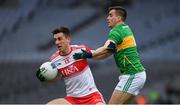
(62, 42)
(113, 19)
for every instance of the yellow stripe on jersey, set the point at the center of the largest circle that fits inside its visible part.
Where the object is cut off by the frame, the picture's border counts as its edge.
(128, 41)
(126, 58)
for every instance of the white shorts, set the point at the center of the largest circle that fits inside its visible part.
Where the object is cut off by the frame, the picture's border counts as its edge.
(131, 83)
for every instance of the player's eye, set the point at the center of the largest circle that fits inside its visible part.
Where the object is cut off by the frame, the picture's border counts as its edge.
(59, 38)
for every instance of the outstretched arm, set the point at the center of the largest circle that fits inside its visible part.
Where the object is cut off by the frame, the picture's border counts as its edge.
(100, 53)
(105, 51)
(103, 55)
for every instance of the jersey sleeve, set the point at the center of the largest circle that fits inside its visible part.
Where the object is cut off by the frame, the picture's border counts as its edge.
(87, 48)
(115, 36)
(54, 55)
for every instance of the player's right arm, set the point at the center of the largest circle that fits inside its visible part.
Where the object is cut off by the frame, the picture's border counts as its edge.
(102, 56)
(98, 54)
(105, 51)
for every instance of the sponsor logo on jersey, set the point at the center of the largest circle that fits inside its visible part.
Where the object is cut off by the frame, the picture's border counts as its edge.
(69, 70)
(74, 68)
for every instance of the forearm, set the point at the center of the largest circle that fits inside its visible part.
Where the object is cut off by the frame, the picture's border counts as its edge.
(101, 53)
(102, 56)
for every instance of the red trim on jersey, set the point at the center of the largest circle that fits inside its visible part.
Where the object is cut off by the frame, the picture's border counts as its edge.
(54, 55)
(80, 47)
(73, 47)
(92, 98)
(73, 69)
(88, 49)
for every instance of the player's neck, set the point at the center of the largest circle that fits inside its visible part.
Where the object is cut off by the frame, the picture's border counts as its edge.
(119, 23)
(65, 52)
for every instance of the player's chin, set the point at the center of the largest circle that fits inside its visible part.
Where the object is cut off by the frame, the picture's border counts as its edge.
(109, 26)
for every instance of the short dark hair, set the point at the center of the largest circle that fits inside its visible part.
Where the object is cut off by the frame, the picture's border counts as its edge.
(64, 30)
(120, 10)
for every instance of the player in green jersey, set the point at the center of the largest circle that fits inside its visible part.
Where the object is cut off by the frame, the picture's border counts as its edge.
(121, 43)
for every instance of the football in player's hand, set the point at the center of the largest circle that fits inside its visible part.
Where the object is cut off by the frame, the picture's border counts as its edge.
(47, 71)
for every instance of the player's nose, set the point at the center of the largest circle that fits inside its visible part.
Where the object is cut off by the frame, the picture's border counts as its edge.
(57, 42)
(107, 18)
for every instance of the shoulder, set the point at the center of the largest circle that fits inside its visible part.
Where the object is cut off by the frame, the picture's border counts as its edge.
(78, 46)
(82, 46)
(116, 30)
(121, 27)
(53, 56)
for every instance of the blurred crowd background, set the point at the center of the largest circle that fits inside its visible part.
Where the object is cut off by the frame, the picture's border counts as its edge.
(26, 42)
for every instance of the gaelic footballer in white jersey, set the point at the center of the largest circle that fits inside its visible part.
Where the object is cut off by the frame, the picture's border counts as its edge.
(76, 73)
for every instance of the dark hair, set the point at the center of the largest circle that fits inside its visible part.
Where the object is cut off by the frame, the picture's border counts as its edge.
(64, 30)
(120, 11)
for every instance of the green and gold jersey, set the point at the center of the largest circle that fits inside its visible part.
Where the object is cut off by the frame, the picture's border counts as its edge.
(126, 55)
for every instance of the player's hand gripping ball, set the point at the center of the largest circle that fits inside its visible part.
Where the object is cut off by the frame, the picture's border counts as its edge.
(47, 72)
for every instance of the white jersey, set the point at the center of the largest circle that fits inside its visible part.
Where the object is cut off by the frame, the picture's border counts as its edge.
(76, 73)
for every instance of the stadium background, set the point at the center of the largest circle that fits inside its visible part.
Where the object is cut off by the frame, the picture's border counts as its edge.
(26, 42)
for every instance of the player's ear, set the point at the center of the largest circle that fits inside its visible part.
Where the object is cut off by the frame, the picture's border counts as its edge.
(119, 18)
(69, 39)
